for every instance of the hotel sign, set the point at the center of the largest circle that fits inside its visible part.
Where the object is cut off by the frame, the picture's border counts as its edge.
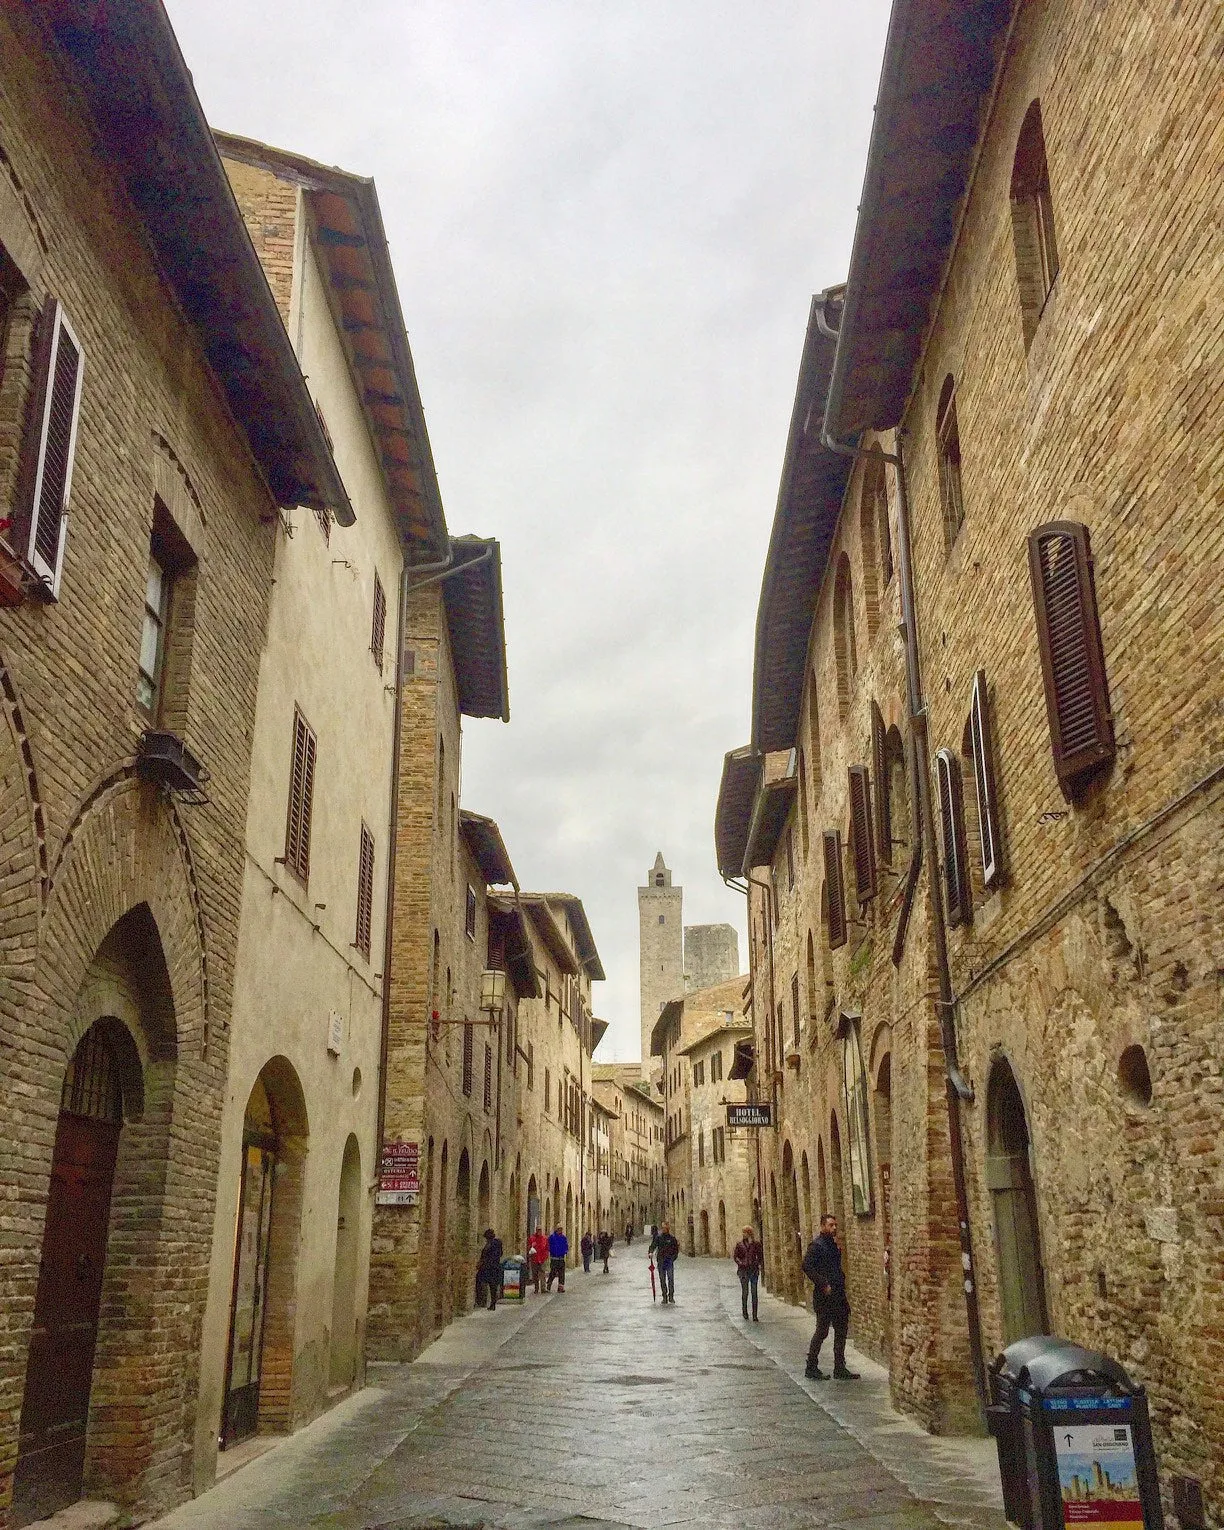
(750, 1115)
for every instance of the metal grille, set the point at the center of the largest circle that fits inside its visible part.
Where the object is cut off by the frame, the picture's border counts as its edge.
(91, 1085)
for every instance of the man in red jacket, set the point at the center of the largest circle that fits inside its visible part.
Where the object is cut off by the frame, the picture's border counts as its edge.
(748, 1262)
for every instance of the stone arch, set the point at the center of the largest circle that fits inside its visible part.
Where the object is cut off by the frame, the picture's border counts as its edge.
(569, 1214)
(483, 1198)
(822, 1178)
(126, 847)
(722, 1228)
(836, 1185)
(774, 1233)
(461, 1285)
(25, 844)
(263, 1300)
(792, 1237)
(342, 1359)
(533, 1204)
(149, 1241)
(805, 1186)
(705, 1232)
(441, 1304)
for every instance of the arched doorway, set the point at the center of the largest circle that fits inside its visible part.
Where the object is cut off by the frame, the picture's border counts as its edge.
(792, 1237)
(1009, 1178)
(482, 1199)
(60, 1368)
(441, 1251)
(722, 1228)
(773, 1236)
(533, 1205)
(805, 1184)
(569, 1214)
(835, 1181)
(462, 1285)
(882, 1110)
(259, 1358)
(705, 1231)
(342, 1366)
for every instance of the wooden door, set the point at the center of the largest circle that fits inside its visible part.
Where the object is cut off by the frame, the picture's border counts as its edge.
(59, 1371)
(1021, 1279)
(249, 1301)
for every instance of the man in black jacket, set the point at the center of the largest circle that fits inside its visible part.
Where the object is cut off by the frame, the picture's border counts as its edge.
(488, 1270)
(665, 1248)
(823, 1267)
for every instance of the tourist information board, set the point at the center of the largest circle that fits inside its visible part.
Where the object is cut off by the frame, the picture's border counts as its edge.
(399, 1174)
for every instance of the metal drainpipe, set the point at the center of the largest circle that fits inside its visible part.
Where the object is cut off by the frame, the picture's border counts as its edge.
(957, 1087)
(767, 889)
(389, 902)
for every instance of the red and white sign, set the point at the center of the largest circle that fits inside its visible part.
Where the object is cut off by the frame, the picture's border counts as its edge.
(399, 1174)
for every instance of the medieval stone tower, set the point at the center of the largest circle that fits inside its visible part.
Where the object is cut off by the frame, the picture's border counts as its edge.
(661, 948)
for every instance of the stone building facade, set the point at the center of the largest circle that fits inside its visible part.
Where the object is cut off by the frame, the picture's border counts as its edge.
(708, 1174)
(150, 438)
(284, 1333)
(1056, 498)
(711, 955)
(636, 1141)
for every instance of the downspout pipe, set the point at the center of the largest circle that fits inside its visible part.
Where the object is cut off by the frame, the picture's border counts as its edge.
(958, 1090)
(447, 569)
(389, 907)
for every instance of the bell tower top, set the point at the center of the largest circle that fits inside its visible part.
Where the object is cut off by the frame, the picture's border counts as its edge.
(658, 875)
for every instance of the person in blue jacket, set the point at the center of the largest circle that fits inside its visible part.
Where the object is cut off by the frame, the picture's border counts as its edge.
(558, 1248)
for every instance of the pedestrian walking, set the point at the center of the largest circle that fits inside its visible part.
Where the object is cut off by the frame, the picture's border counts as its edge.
(628, 1234)
(488, 1271)
(588, 1248)
(666, 1250)
(749, 1260)
(822, 1264)
(558, 1248)
(605, 1248)
(537, 1252)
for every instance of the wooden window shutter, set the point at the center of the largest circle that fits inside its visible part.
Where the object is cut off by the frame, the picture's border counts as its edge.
(488, 1077)
(879, 769)
(952, 822)
(984, 782)
(365, 893)
(834, 887)
(379, 628)
(301, 798)
(866, 881)
(1072, 656)
(49, 444)
(468, 1047)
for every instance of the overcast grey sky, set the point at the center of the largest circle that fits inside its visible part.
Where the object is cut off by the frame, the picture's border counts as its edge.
(607, 221)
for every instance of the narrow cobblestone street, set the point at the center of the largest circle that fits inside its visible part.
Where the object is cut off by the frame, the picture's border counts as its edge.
(597, 1408)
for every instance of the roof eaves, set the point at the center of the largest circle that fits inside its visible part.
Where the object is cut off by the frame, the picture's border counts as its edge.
(389, 395)
(732, 816)
(769, 814)
(485, 841)
(126, 61)
(550, 932)
(810, 495)
(940, 67)
(476, 620)
(582, 934)
(672, 1010)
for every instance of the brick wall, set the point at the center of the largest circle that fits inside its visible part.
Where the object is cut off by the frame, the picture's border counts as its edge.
(85, 845)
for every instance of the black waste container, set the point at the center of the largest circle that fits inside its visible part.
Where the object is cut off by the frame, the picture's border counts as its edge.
(1074, 1441)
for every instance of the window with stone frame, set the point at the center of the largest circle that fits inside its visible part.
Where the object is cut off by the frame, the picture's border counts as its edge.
(168, 626)
(948, 451)
(1033, 234)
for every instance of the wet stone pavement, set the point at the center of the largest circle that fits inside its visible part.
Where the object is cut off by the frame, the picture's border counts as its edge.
(598, 1409)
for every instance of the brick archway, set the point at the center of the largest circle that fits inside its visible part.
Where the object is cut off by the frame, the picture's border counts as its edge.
(120, 934)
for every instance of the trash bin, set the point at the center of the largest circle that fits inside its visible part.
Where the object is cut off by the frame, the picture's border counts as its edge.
(514, 1278)
(1074, 1440)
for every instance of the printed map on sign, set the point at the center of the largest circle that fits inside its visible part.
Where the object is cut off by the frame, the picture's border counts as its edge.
(1096, 1473)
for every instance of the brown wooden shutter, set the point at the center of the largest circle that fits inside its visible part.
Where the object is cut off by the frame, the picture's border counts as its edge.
(879, 769)
(835, 891)
(1072, 656)
(49, 445)
(379, 628)
(984, 782)
(488, 1077)
(952, 821)
(468, 1045)
(866, 882)
(301, 798)
(365, 893)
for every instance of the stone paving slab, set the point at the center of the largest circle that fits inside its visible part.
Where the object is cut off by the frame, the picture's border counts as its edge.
(598, 1410)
